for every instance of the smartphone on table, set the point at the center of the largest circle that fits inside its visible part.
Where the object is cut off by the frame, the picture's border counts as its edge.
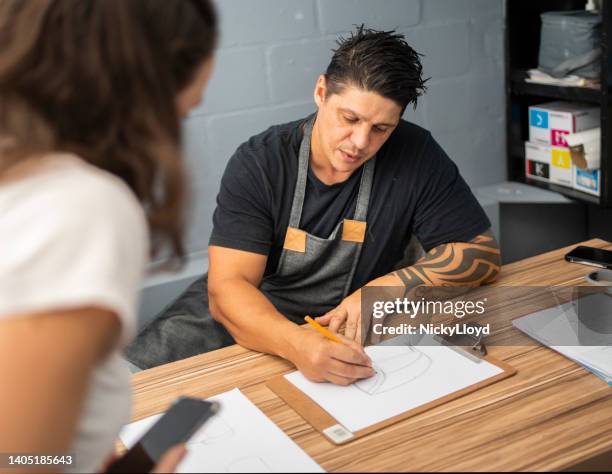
(176, 426)
(590, 256)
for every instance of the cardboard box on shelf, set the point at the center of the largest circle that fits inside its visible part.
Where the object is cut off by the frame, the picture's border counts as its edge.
(549, 123)
(585, 148)
(548, 163)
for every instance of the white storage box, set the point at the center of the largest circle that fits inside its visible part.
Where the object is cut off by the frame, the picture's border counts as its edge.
(587, 181)
(537, 161)
(550, 122)
(548, 163)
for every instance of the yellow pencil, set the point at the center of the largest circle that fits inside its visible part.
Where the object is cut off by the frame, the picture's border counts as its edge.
(326, 332)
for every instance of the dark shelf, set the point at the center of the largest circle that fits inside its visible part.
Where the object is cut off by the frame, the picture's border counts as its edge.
(567, 192)
(583, 94)
(522, 40)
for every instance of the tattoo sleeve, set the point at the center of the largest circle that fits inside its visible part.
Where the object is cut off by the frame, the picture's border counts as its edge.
(466, 264)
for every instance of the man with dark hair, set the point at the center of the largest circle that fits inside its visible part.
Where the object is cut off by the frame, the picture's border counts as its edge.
(311, 211)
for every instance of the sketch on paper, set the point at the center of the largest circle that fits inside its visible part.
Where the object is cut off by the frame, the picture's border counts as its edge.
(239, 438)
(248, 464)
(216, 429)
(409, 377)
(395, 370)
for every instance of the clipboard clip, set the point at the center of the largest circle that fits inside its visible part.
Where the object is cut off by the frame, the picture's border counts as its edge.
(468, 345)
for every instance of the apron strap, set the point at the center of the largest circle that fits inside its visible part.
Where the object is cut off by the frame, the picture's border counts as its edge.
(354, 230)
(360, 217)
(300, 184)
(365, 188)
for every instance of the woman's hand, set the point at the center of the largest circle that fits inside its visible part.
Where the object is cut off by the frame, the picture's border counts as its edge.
(168, 463)
(171, 459)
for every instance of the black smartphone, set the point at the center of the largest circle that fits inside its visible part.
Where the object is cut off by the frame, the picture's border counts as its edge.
(590, 256)
(176, 426)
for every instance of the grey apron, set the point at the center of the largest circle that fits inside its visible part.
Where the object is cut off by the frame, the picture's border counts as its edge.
(313, 275)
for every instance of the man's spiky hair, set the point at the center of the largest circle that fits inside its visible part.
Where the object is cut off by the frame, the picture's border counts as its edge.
(377, 61)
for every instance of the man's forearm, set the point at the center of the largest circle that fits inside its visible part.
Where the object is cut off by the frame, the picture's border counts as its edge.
(250, 317)
(454, 264)
(457, 264)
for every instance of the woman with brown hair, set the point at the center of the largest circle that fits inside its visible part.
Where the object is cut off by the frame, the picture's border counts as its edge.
(91, 96)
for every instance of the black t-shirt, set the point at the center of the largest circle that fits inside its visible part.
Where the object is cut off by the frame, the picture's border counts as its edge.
(417, 190)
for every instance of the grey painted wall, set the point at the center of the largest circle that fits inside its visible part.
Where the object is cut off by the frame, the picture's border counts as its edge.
(271, 52)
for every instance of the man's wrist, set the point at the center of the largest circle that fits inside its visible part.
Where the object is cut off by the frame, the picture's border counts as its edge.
(291, 336)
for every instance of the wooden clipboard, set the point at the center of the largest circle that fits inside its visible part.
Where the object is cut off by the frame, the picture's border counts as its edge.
(329, 427)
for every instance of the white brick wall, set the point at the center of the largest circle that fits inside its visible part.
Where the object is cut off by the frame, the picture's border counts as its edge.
(272, 51)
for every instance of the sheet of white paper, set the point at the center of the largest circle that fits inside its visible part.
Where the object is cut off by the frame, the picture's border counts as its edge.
(407, 377)
(560, 324)
(551, 324)
(240, 438)
(600, 357)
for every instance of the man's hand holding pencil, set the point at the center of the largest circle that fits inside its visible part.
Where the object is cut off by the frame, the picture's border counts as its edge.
(324, 356)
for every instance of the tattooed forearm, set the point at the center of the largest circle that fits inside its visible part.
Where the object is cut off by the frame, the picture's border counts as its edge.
(455, 264)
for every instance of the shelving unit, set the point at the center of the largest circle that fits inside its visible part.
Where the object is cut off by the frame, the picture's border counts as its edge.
(522, 44)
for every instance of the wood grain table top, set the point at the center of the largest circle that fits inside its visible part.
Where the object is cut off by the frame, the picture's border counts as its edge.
(551, 415)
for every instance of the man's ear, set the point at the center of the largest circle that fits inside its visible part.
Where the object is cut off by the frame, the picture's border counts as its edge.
(320, 91)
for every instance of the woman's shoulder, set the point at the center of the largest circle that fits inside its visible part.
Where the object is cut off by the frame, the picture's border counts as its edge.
(88, 185)
(75, 236)
(70, 189)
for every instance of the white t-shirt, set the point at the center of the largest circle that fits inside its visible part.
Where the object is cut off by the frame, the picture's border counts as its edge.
(72, 235)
